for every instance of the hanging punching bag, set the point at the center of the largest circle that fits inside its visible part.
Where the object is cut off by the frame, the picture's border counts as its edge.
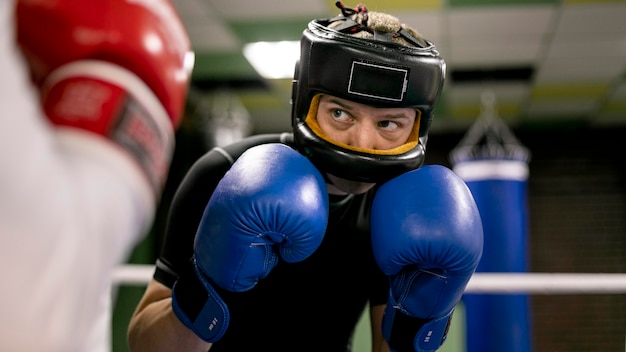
(495, 167)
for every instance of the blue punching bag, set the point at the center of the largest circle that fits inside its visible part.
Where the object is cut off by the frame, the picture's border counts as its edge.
(495, 167)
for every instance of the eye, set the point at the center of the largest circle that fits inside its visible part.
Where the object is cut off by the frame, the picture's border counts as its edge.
(340, 115)
(389, 125)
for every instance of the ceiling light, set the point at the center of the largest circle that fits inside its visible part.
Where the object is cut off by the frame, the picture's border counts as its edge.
(273, 60)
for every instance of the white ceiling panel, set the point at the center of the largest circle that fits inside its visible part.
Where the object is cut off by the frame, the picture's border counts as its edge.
(483, 52)
(598, 17)
(504, 21)
(269, 9)
(580, 69)
(587, 46)
(212, 36)
(430, 24)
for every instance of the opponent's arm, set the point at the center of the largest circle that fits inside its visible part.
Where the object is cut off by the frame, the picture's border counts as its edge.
(427, 237)
(114, 72)
(80, 172)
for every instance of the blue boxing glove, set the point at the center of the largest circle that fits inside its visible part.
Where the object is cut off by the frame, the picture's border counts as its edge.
(271, 202)
(427, 237)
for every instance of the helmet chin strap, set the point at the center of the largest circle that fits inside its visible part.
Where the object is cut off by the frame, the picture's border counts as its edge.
(332, 188)
(341, 186)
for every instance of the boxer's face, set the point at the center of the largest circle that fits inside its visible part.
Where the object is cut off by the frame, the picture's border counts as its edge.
(363, 127)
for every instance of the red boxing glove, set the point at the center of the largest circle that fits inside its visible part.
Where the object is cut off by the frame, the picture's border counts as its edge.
(117, 68)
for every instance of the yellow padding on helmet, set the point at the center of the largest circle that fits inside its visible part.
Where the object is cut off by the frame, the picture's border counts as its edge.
(311, 121)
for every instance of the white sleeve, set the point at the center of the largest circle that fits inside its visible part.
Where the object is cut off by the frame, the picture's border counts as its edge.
(72, 207)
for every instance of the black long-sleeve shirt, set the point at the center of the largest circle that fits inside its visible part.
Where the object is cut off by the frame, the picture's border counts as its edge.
(313, 305)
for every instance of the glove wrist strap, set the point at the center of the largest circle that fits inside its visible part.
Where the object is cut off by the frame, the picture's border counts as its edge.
(111, 101)
(199, 307)
(407, 333)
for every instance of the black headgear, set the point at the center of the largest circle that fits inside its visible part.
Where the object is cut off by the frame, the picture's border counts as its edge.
(377, 72)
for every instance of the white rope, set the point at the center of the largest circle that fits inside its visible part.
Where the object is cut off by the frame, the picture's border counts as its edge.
(547, 283)
(133, 274)
(480, 283)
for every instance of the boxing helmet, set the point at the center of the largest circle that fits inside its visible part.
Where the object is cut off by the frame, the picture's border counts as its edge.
(377, 72)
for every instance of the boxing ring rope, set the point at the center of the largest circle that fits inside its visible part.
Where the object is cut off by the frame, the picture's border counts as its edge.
(483, 283)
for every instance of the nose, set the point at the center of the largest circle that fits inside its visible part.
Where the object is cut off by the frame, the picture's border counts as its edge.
(364, 135)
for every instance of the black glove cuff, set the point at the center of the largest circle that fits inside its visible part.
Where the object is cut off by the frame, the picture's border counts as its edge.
(199, 307)
(415, 334)
(190, 295)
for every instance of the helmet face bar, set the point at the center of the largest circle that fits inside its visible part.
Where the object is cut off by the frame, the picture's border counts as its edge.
(374, 72)
(353, 165)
